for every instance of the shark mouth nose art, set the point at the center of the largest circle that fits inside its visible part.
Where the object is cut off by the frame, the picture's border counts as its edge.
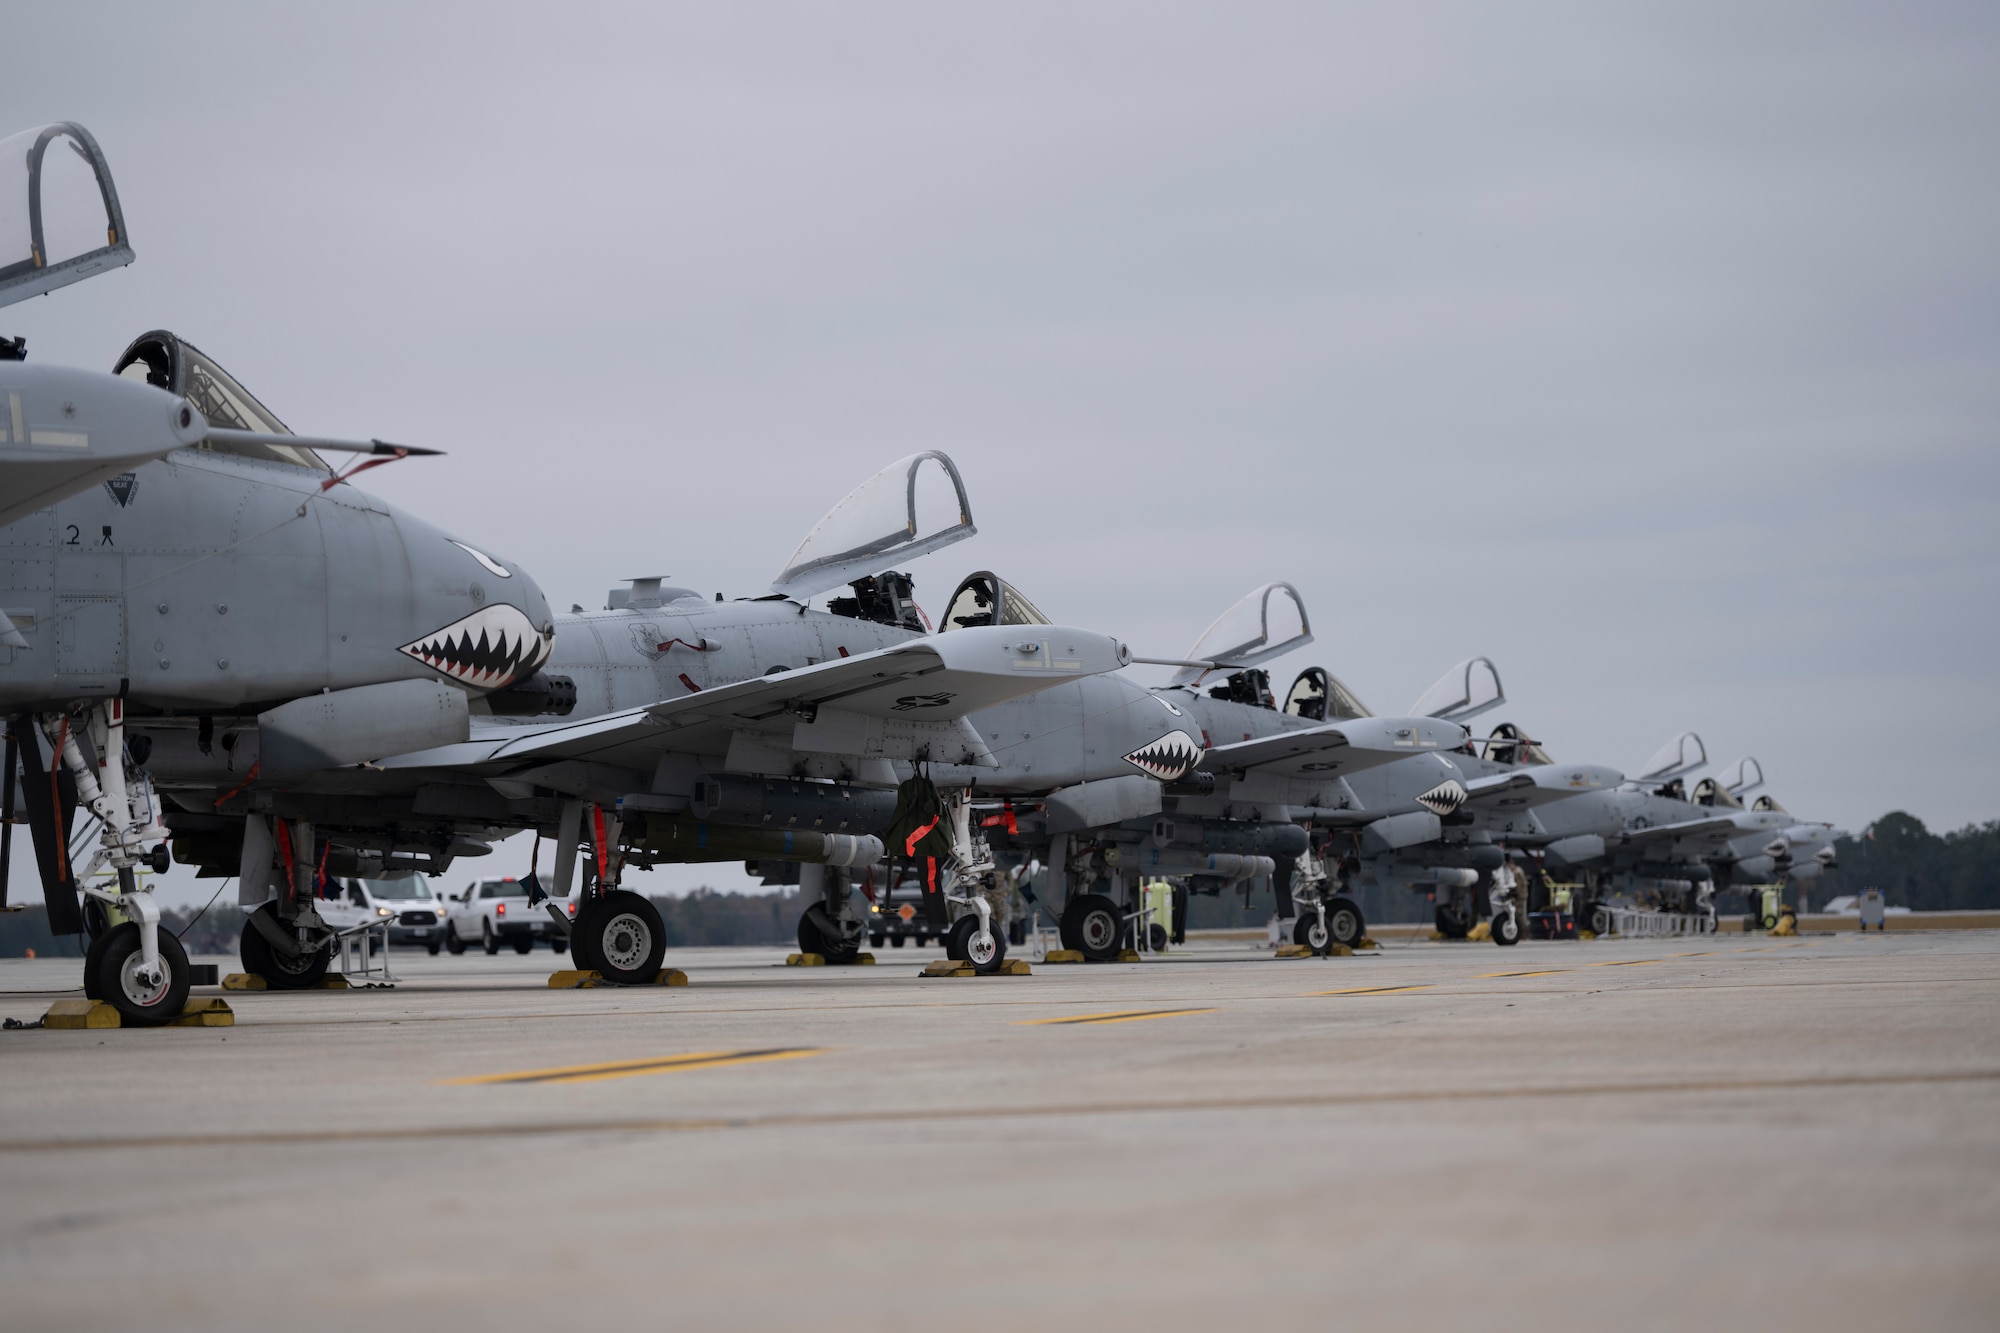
(494, 646)
(1168, 757)
(1444, 798)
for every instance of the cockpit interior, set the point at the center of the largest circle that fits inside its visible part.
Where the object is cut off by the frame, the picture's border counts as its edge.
(1507, 745)
(1710, 792)
(984, 598)
(168, 362)
(887, 598)
(1319, 697)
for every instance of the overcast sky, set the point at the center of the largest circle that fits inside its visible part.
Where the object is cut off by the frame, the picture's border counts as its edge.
(1654, 353)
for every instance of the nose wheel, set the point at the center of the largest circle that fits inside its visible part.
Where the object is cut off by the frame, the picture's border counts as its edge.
(143, 996)
(984, 949)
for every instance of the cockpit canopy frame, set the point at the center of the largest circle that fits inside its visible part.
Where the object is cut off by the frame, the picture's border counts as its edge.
(1470, 688)
(32, 262)
(1683, 754)
(1248, 633)
(877, 525)
(167, 361)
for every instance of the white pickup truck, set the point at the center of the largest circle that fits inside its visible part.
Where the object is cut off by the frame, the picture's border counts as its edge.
(492, 911)
(406, 905)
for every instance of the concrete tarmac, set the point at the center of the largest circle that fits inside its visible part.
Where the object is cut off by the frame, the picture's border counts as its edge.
(1740, 1132)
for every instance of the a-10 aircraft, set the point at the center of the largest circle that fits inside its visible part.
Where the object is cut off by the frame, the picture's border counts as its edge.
(1273, 788)
(209, 636)
(176, 559)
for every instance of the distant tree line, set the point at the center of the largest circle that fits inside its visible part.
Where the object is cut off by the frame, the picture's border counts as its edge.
(1918, 869)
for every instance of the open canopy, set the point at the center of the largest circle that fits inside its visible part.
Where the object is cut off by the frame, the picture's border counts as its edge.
(1467, 690)
(910, 508)
(1682, 754)
(1266, 622)
(1745, 775)
(59, 216)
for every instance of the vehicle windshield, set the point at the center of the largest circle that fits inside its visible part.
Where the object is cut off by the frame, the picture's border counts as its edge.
(59, 218)
(1266, 622)
(408, 887)
(910, 508)
(167, 362)
(986, 599)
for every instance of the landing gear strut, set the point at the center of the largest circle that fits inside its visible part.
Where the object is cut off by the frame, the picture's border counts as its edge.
(136, 967)
(1326, 918)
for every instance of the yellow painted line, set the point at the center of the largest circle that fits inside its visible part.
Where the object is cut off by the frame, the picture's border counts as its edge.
(1641, 962)
(1373, 990)
(1123, 1016)
(666, 1064)
(1487, 976)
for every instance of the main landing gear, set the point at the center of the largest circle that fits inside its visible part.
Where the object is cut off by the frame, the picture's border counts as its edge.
(620, 936)
(302, 968)
(1338, 920)
(1093, 925)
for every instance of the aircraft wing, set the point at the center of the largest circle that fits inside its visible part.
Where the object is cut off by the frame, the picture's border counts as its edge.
(1724, 826)
(902, 702)
(1524, 788)
(1334, 749)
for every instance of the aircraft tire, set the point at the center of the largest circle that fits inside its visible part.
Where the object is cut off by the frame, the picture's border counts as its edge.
(487, 940)
(452, 941)
(958, 945)
(1344, 922)
(1599, 917)
(818, 935)
(91, 957)
(1451, 924)
(142, 1006)
(1093, 924)
(622, 937)
(1506, 928)
(1308, 932)
(525, 944)
(260, 960)
(582, 957)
